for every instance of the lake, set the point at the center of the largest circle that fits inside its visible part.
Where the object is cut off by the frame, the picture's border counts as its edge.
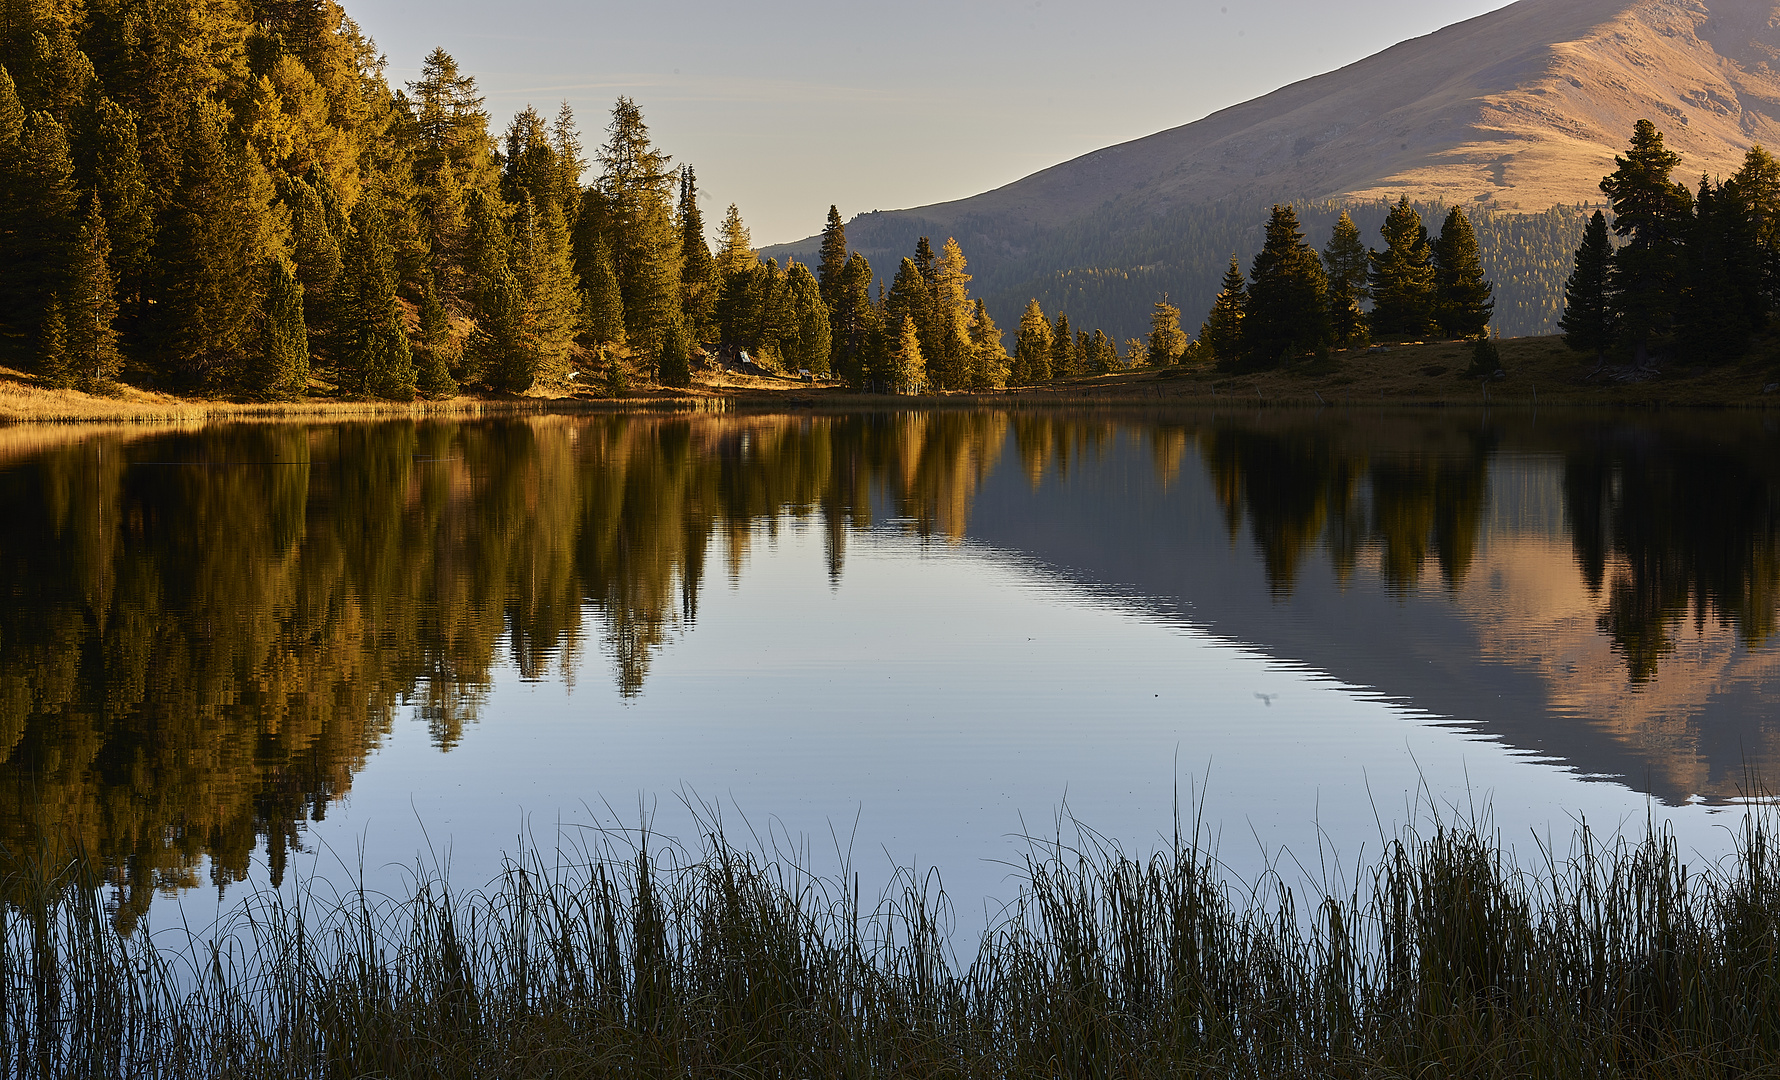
(246, 655)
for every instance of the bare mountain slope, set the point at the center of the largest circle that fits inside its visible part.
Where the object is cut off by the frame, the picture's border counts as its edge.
(1518, 109)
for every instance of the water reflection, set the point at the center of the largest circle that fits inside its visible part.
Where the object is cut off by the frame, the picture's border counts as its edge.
(206, 632)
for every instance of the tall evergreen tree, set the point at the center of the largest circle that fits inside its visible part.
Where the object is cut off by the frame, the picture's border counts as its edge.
(542, 263)
(1651, 212)
(602, 306)
(451, 124)
(849, 319)
(910, 296)
(1588, 298)
(1756, 188)
(436, 352)
(1462, 304)
(281, 369)
(1062, 348)
(1032, 347)
(54, 364)
(498, 348)
(833, 258)
(1403, 288)
(214, 239)
(39, 222)
(638, 184)
(1720, 285)
(699, 283)
(806, 344)
(1167, 341)
(316, 250)
(988, 357)
(117, 176)
(1222, 330)
(1287, 313)
(375, 358)
(90, 307)
(1345, 261)
(675, 368)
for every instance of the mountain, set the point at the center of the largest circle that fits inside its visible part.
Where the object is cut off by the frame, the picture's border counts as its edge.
(1512, 112)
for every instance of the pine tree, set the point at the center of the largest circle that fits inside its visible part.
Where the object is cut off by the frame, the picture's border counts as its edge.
(1081, 357)
(806, 345)
(541, 262)
(908, 366)
(316, 249)
(1222, 329)
(1403, 289)
(1287, 312)
(602, 307)
(675, 368)
(451, 125)
(1588, 298)
(436, 352)
(833, 258)
(1651, 212)
(498, 346)
(698, 270)
(53, 362)
(115, 166)
(39, 222)
(1715, 313)
(988, 357)
(1104, 354)
(735, 248)
(1756, 188)
(1462, 303)
(1062, 345)
(1167, 341)
(375, 358)
(214, 239)
(910, 296)
(1345, 260)
(1032, 347)
(645, 245)
(91, 307)
(281, 370)
(566, 141)
(851, 313)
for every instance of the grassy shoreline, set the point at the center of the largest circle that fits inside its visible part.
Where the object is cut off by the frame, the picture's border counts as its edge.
(1537, 371)
(1447, 958)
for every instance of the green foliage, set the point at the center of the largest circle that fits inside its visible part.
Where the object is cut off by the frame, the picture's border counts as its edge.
(1222, 329)
(1347, 263)
(374, 357)
(282, 368)
(908, 368)
(53, 362)
(1462, 303)
(1650, 212)
(542, 264)
(1588, 300)
(1404, 295)
(988, 357)
(436, 352)
(1287, 311)
(699, 284)
(1486, 358)
(498, 347)
(675, 368)
(602, 305)
(1063, 348)
(1032, 348)
(806, 344)
(851, 319)
(90, 309)
(832, 259)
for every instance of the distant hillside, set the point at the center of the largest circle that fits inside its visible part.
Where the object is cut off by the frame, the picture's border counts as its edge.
(1507, 114)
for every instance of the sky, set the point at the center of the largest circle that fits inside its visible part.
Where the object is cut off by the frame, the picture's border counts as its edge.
(787, 106)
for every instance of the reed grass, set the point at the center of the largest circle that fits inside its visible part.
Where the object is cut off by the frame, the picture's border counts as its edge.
(1446, 958)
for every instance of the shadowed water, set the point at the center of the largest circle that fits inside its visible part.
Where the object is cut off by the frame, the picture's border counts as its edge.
(223, 647)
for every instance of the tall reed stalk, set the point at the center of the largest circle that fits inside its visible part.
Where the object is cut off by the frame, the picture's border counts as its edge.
(1447, 958)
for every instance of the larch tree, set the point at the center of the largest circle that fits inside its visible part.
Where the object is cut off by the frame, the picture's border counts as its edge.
(1402, 281)
(1588, 299)
(1346, 263)
(1287, 311)
(1462, 304)
(908, 367)
(1167, 340)
(1222, 330)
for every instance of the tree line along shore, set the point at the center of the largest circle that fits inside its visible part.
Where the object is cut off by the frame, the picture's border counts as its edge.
(217, 208)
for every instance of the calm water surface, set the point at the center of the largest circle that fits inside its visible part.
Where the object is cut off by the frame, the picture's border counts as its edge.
(243, 655)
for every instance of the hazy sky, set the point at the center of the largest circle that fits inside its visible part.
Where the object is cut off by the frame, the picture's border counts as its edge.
(785, 107)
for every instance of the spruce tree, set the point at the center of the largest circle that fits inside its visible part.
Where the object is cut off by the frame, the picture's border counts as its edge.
(498, 346)
(1651, 212)
(602, 307)
(910, 297)
(1403, 289)
(806, 345)
(1062, 346)
(1167, 341)
(1716, 310)
(542, 263)
(54, 365)
(1032, 347)
(1287, 311)
(1222, 329)
(637, 185)
(675, 368)
(850, 315)
(39, 223)
(374, 358)
(833, 258)
(1588, 298)
(698, 270)
(1080, 358)
(91, 306)
(1462, 303)
(281, 369)
(1756, 188)
(1105, 354)
(1345, 260)
(115, 167)
(436, 353)
(316, 250)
